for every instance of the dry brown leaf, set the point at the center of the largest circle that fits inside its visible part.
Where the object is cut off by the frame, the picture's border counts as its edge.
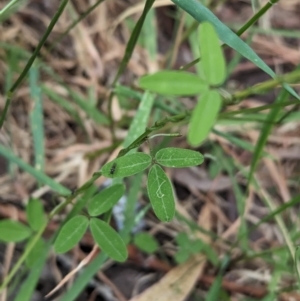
(177, 284)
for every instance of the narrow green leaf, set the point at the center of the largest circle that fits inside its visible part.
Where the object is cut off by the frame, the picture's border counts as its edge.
(71, 233)
(37, 118)
(63, 103)
(228, 165)
(239, 142)
(297, 264)
(88, 108)
(161, 194)
(35, 214)
(10, 8)
(213, 62)
(38, 175)
(149, 34)
(173, 83)
(178, 157)
(145, 242)
(215, 289)
(291, 203)
(140, 120)
(204, 116)
(135, 183)
(108, 240)
(13, 231)
(127, 165)
(133, 40)
(105, 199)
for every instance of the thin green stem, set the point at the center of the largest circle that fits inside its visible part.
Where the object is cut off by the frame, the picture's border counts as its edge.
(255, 18)
(8, 7)
(289, 78)
(75, 22)
(133, 40)
(31, 60)
(127, 55)
(26, 252)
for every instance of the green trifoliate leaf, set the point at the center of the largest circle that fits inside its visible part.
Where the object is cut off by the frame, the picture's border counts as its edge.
(161, 193)
(212, 58)
(105, 199)
(71, 233)
(35, 214)
(145, 242)
(178, 157)
(108, 240)
(173, 83)
(127, 165)
(13, 231)
(204, 116)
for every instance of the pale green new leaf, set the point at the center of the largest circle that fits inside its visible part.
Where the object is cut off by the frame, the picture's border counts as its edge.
(13, 231)
(213, 62)
(108, 240)
(35, 214)
(161, 193)
(178, 157)
(71, 233)
(173, 83)
(105, 199)
(204, 116)
(127, 165)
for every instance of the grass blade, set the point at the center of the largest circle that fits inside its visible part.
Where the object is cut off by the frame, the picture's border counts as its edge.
(75, 22)
(140, 120)
(38, 175)
(264, 134)
(129, 213)
(229, 166)
(133, 39)
(63, 103)
(239, 142)
(89, 108)
(37, 119)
